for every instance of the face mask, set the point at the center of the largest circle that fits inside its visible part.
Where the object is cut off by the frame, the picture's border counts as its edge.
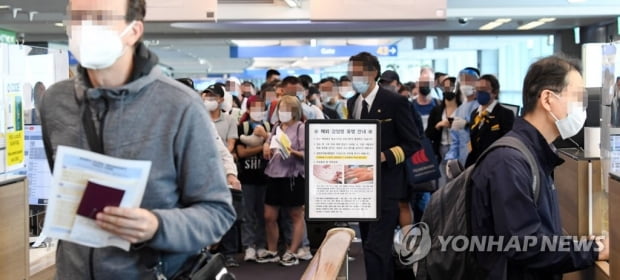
(246, 94)
(324, 95)
(300, 95)
(285, 116)
(227, 105)
(211, 105)
(391, 88)
(97, 46)
(467, 90)
(483, 98)
(257, 116)
(449, 95)
(347, 92)
(425, 91)
(360, 84)
(573, 122)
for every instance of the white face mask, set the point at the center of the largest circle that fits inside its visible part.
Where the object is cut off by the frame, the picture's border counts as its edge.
(468, 90)
(285, 116)
(325, 96)
(211, 105)
(347, 92)
(360, 84)
(570, 126)
(97, 46)
(301, 95)
(257, 116)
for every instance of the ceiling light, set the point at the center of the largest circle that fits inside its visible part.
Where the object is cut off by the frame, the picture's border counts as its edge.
(494, 24)
(5, 6)
(536, 23)
(530, 25)
(59, 24)
(293, 3)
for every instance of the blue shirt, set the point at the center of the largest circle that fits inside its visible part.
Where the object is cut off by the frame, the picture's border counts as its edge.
(460, 138)
(425, 110)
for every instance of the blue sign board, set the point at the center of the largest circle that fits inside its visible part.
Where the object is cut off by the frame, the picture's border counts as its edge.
(308, 51)
(260, 73)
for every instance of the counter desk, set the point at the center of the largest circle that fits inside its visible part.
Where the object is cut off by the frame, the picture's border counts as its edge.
(583, 203)
(14, 228)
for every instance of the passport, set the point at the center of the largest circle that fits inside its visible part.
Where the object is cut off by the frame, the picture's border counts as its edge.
(96, 197)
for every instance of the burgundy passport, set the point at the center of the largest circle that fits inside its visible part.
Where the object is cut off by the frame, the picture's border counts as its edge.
(96, 197)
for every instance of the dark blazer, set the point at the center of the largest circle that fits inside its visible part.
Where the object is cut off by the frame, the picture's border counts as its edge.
(433, 134)
(398, 139)
(497, 123)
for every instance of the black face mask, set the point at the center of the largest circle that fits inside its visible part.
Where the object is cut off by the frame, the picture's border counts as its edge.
(425, 91)
(450, 95)
(246, 94)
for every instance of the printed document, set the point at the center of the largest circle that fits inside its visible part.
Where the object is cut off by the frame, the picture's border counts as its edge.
(83, 183)
(281, 143)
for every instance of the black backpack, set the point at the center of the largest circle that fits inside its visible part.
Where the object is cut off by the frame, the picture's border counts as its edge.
(448, 214)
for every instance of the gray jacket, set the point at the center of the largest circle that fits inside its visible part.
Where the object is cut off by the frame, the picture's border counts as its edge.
(153, 118)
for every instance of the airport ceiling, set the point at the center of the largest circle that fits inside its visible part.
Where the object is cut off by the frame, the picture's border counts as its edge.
(267, 20)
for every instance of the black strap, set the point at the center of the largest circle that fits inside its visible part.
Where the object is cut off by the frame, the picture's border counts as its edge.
(515, 143)
(95, 141)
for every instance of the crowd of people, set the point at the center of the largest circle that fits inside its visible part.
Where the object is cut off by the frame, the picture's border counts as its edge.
(461, 115)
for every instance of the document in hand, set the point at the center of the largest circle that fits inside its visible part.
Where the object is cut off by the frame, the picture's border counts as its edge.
(282, 143)
(83, 183)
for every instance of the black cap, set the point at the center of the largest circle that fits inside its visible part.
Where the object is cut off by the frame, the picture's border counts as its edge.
(215, 89)
(389, 76)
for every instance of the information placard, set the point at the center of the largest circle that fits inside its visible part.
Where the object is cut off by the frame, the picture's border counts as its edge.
(37, 166)
(13, 119)
(342, 170)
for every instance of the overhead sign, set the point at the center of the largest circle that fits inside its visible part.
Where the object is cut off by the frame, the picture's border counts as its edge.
(260, 73)
(309, 51)
(7, 36)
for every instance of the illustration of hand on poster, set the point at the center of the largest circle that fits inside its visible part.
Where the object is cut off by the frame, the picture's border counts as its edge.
(359, 174)
(328, 174)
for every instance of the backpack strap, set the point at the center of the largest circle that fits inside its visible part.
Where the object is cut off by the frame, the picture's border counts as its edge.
(267, 125)
(246, 128)
(515, 143)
